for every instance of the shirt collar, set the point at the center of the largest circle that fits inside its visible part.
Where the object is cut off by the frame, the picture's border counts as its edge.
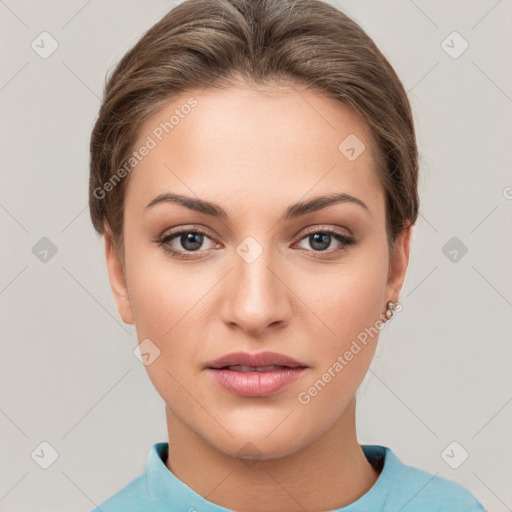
(164, 487)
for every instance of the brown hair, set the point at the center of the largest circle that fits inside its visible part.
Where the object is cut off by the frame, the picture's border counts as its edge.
(217, 43)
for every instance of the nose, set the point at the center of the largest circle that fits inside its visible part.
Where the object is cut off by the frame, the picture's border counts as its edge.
(255, 295)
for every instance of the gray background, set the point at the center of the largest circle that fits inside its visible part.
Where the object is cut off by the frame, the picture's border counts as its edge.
(442, 372)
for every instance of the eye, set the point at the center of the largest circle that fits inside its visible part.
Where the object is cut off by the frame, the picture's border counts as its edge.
(184, 242)
(321, 240)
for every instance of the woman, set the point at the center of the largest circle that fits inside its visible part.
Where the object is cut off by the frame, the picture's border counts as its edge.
(254, 172)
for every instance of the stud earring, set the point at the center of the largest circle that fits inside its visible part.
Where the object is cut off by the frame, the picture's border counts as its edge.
(390, 311)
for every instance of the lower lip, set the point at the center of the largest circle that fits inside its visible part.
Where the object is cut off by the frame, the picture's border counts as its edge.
(256, 384)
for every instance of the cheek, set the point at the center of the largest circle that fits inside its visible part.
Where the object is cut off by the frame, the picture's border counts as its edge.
(348, 299)
(165, 304)
(160, 293)
(349, 303)
(166, 309)
(364, 298)
(170, 307)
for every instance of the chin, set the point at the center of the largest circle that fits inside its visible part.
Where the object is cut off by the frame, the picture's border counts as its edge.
(261, 443)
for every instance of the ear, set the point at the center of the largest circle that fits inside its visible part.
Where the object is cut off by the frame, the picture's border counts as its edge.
(398, 264)
(117, 280)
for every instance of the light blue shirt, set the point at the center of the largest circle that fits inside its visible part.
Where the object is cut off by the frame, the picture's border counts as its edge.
(399, 488)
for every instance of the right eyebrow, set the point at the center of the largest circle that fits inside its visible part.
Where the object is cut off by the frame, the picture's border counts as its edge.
(198, 205)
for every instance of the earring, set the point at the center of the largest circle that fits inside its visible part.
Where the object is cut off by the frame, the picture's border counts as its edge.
(390, 311)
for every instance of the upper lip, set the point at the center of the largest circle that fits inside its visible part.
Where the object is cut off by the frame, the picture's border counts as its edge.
(259, 359)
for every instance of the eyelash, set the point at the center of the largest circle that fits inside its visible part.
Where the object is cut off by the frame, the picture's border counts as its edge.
(164, 242)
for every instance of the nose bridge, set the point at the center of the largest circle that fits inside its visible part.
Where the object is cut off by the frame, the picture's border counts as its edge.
(256, 297)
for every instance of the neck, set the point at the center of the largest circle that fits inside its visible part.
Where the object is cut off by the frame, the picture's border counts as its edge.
(329, 473)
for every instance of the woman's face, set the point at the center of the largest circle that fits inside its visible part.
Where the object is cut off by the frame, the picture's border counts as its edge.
(267, 275)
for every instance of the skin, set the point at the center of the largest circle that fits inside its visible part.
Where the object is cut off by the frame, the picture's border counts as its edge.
(255, 152)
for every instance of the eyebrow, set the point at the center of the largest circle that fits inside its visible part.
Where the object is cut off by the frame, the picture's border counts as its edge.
(296, 210)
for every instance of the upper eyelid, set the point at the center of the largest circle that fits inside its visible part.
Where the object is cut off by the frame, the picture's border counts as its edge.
(322, 228)
(181, 230)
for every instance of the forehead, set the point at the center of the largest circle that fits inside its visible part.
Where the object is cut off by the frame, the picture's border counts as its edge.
(272, 144)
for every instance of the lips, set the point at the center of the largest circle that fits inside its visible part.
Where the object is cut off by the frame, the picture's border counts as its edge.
(255, 375)
(243, 368)
(260, 362)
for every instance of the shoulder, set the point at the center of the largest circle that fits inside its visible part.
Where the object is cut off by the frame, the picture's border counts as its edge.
(420, 490)
(132, 497)
(435, 493)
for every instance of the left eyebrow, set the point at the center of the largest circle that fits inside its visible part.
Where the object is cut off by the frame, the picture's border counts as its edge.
(320, 202)
(296, 210)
